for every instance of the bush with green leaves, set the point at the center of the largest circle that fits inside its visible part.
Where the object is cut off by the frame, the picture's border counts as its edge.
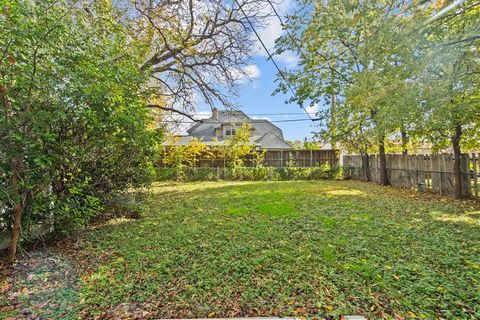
(76, 124)
(247, 173)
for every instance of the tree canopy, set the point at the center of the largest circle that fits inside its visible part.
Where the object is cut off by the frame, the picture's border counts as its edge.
(389, 71)
(77, 83)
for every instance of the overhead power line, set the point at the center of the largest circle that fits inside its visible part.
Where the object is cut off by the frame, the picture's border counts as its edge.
(293, 120)
(289, 120)
(299, 47)
(277, 114)
(271, 114)
(271, 57)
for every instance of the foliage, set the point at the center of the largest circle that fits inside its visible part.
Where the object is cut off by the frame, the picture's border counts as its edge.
(305, 144)
(247, 173)
(258, 158)
(76, 125)
(237, 147)
(298, 248)
(178, 156)
(398, 71)
(234, 150)
(449, 80)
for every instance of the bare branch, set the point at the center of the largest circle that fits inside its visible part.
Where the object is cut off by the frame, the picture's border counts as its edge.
(172, 110)
(197, 48)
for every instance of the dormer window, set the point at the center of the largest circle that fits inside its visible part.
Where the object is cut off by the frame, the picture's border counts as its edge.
(230, 131)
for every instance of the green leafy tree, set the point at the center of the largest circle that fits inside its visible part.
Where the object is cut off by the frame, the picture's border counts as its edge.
(74, 121)
(450, 73)
(188, 155)
(237, 147)
(389, 70)
(346, 58)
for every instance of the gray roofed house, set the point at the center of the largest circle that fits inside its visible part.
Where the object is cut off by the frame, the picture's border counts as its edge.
(222, 124)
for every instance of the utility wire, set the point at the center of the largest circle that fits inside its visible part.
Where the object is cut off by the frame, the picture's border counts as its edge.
(277, 114)
(290, 120)
(271, 57)
(270, 114)
(299, 47)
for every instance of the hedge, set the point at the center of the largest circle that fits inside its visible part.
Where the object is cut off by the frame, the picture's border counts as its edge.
(247, 173)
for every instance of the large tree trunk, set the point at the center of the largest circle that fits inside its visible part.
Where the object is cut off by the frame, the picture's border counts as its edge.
(383, 162)
(17, 212)
(404, 142)
(365, 166)
(457, 155)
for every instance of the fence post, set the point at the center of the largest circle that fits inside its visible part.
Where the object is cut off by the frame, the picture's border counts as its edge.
(311, 158)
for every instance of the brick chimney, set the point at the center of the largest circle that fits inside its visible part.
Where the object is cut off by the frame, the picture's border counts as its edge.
(215, 113)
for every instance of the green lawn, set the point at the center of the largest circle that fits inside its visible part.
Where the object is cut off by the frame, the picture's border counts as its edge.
(315, 249)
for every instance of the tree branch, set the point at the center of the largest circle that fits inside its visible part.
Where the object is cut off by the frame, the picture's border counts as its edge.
(172, 110)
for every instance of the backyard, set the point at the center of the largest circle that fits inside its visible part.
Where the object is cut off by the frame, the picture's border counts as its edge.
(300, 248)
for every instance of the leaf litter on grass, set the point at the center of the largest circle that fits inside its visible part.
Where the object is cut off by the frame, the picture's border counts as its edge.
(43, 285)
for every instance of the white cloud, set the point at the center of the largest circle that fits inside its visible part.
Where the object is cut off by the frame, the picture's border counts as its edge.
(252, 71)
(249, 72)
(261, 118)
(202, 115)
(272, 30)
(312, 109)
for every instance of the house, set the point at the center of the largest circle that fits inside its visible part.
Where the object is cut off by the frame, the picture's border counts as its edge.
(222, 125)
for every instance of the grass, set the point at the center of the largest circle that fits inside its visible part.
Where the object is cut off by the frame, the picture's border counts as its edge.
(304, 248)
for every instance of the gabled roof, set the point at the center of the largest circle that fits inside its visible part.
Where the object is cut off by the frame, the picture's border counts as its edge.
(265, 133)
(224, 116)
(271, 141)
(231, 116)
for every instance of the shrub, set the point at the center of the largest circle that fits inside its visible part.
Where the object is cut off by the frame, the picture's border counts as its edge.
(77, 129)
(247, 173)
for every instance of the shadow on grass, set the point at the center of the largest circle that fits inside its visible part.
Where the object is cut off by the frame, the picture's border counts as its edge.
(306, 248)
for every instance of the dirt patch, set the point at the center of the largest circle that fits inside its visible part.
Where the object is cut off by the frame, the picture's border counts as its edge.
(42, 285)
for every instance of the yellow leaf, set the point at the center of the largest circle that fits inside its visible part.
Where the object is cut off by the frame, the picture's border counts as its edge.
(439, 4)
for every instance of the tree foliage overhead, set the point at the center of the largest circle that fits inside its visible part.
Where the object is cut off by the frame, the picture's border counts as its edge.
(77, 83)
(197, 50)
(75, 126)
(399, 71)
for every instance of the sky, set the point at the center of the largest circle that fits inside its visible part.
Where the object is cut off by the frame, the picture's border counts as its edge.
(255, 96)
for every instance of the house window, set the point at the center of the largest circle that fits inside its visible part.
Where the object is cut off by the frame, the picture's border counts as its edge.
(230, 131)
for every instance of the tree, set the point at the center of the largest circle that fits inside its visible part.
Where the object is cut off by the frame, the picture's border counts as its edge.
(237, 147)
(234, 150)
(74, 112)
(178, 156)
(396, 68)
(196, 49)
(346, 56)
(450, 73)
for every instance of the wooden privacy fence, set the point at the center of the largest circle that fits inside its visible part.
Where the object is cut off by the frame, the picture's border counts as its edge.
(300, 158)
(432, 172)
(278, 159)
